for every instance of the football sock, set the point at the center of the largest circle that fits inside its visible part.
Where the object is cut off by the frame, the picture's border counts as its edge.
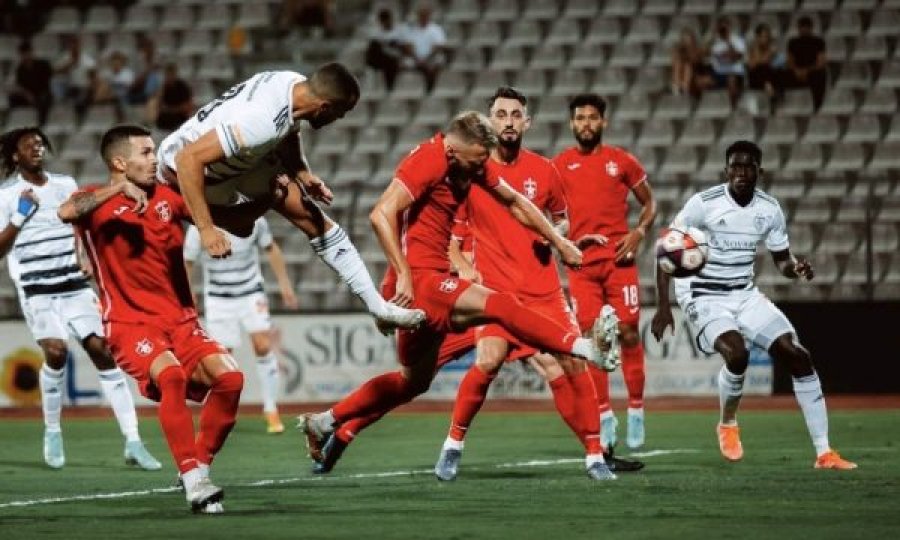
(190, 478)
(469, 398)
(731, 388)
(378, 395)
(601, 387)
(348, 431)
(809, 394)
(533, 327)
(51, 383)
(338, 252)
(175, 418)
(564, 399)
(633, 373)
(590, 459)
(112, 382)
(586, 408)
(269, 378)
(218, 414)
(453, 444)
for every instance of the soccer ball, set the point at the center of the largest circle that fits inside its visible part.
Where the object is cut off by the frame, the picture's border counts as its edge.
(681, 253)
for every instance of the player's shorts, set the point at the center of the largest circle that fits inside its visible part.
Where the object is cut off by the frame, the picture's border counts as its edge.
(455, 345)
(135, 346)
(227, 317)
(605, 282)
(747, 312)
(60, 316)
(552, 305)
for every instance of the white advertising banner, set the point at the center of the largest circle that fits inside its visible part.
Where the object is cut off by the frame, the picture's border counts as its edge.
(324, 357)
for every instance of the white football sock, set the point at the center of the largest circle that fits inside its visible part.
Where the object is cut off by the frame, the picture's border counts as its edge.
(452, 444)
(269, 378)
(590, 459)
(606, 414)
(115, 389)
(338, 252)
(582, 347)
(731, 388)
(190, 479)
(51, 382)
(809, 394)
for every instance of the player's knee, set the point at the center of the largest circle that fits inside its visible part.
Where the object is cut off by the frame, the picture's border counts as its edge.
(55, 352)
(489, 360)
(734, 352)
(262, 346)
(98, 351)
(229, 382)
(788, 350)
(629, 335)
(172, 381)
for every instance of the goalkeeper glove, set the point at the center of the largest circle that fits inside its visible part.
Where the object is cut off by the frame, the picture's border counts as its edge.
(26, 208)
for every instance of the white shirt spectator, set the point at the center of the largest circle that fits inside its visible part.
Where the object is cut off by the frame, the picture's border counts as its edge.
(719, 60)
(78, 74)
(424, 39)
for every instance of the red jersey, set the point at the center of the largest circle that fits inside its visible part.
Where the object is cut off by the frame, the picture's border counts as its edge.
(427, 223)
(511, 257)
(138, 258)
(597, 186)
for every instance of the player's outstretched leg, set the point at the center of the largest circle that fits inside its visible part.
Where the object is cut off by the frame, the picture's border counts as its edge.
(51, 383)
(338, 441)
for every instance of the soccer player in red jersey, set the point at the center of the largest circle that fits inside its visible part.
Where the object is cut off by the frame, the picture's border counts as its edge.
(148, 312)
(597, 179)
(413, 220)
(510, 258)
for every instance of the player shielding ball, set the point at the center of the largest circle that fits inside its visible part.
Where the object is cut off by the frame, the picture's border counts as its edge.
(726, 309)
(148, 309)
(241, 155)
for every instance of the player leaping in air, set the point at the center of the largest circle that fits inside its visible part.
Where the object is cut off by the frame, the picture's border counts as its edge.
(241, 155)
(725, 307)
(416, 212)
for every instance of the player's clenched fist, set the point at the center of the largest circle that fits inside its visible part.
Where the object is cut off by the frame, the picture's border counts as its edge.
(215, 242)
(569, 253)
(403, 294)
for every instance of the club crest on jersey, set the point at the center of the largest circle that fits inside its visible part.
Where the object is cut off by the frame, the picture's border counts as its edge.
(530, 188)
(612, 168)
(163, 211)
(143, 347)
(759, 221)
(449, 285)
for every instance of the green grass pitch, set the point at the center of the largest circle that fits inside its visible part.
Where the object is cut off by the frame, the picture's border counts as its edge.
(686, 492)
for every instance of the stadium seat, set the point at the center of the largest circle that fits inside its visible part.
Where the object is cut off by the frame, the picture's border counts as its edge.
(660, 55)
(886, 157)
(738, 7)
(392, 113)
(589, 55)
(837, 49)
(854, 75)
(740, 125)
(532, 83)
(714, 104)
(848, 157)
(681, 21)
(508, 57)
(822, 129)
(61, 120)
(817, 5)
(890, 74)
(553, 109)
(98, 119)
(177, 17)
(501, 10)
(647, 156)
(484, 34)
(581, 10)
(569, 82)
(698, 132)
(870, 48)
(524, 33)
(540, 11)
(893, 133)
(769, 19)
(354, 167)
(879, 101)
(468, 59)
(784, 190)
(197, 43)
(94, 171)
(617, 133)
(778, 6)
(644, 29)
(890, 209)
(680, 160)
(657, 132)
(802, 238)
(859, 4)
(253, 15)
(659, 7)
(885, 238)
(839, 101)
(780, 130)
(372, 140)
(486, 84)
(651, 80)
(634, 106)
(409, 85)
(884, 23)
(796, 103)
(611, 81)
(100, 19)
(547, 56)
(627, 55)
(673, 107)
(214, 17)
(540, 137)
(433, 110)
(333, 140)
(804, 157)
(605, 30)
(700, 7)
(462, 11)
(856, 271)
(852, 210)
(63, 20)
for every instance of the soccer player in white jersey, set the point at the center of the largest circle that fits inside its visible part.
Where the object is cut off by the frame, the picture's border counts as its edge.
(241, 155)
(54, 291)
(234, 300)
(727, 310)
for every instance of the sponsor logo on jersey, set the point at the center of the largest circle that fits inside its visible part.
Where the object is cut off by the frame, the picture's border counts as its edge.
(449, 285)
(612, 168)
(530, 188)
(120, 210)
(573, 166)
(163, 211)
(760, 221)
(143, 347)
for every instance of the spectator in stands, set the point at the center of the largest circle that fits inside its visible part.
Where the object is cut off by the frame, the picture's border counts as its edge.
(32, 83)
(387, 47)
(72, 71)
(807, 62)
(176, 100)
(428, 43)
(118, 78)
(727, 53)
(762, 61)
(689, 70)
(307, 14)
(148, 79)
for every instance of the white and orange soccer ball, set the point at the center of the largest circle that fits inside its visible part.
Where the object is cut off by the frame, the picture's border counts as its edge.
(681, 253)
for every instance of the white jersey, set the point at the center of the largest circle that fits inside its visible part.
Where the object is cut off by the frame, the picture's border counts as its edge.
(250, 120)
(42, 259)
(733, 233)
(236, 275)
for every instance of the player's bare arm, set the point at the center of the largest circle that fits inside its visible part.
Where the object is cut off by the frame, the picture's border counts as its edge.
(792, 267)
(190, 162)
(627, 246)
(528, 214)
(662, 319)
(463, 264)
(83, 203)
(279, 268)
(385, 222)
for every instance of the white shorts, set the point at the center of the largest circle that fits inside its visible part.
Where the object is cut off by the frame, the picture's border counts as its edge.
(226, 317)
(748, 312)
(59, 316)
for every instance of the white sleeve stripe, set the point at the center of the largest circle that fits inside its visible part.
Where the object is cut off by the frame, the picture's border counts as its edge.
(404, 186)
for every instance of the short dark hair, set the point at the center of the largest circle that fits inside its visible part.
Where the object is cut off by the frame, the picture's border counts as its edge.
(113, 140)
(9, 144)
(805, 20)
(508, 92)
(473, 128)
(747, 147)
(583, 100)
(334, 83)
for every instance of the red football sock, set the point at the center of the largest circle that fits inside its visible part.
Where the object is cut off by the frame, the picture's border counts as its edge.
(175, 417)
(218, 414)
(347, 431)
(633, 371)
(469, 398)
(601, 386)
(564, 399)
(528, 325)
(586, 405)
(378, 395)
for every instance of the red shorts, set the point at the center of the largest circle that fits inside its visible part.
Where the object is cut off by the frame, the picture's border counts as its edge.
(455, 345)
(604, 282)
(136, 346)
(552, 305)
